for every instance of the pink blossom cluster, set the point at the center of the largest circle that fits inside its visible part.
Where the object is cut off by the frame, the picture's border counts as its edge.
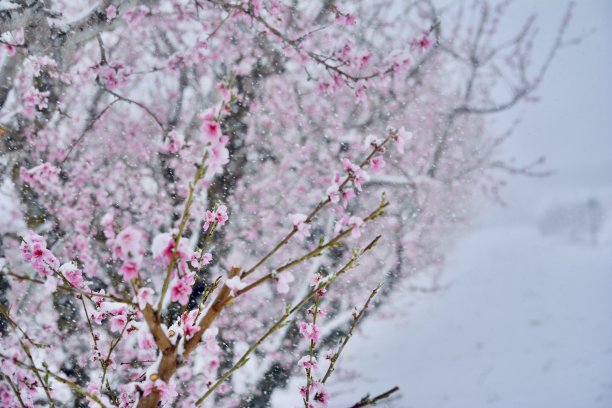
(218, 155)
(42, 177)
(167, 391)
(302, 227)
(354, 223)
(218, 217)
(25, 380)
(182, 288)
(189, 322)
(400, 137)
(72, 274)
(173, 143)
(319, 396)
(127, 246)
(33, 248)
(192, 57)
(314, 393)
(335, 194)
(32, 100)
(163, 249)
(145, 297)
(310, 331)
(113, 75)
(36, 64)
(356, 173)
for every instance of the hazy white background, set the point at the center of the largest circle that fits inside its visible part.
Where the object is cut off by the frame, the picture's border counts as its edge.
(526, 319)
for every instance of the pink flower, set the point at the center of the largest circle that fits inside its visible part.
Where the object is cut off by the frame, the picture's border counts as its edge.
(333, 193)
(282, 285)
(348, 165)
(318, 393)
(330, 353)
(211, 130)
(218, 156)
(316, 280)
(33, 99)
(224, 91)
(145, 297)
(355, 223)
(181, 290)
(347, 195)
(113, 74)
(346, 19)
(40, 177)
(161, 247)
(93, 389)
(320, 312)
(166, 391)
(206, 258)
(97, 316)
(72, 274)
(309, 331)
(174, 143)
(422, 43)
(189, 319)
(377, 164)
(111, 12)
(321, 396)
(357, 174)
(307, 362)
(371, 141)
(34, 249)
(129, 270)
(221, 215)
(234, 284)
(364, 61)
(299, 223)
(400, 138)
(107, 222)
(118, 322)
(127, 245)
(177, 61)
(209, 219)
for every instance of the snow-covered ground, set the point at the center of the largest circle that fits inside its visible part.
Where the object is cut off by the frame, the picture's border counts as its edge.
(525, 322)
(526, 319)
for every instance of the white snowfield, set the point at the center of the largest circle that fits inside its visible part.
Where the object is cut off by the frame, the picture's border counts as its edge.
(525, 322)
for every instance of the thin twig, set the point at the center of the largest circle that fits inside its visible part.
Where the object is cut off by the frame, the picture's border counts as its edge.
(356, 321)
(366, 401)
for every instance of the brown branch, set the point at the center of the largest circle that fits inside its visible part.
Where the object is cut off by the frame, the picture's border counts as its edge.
(367, 401)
